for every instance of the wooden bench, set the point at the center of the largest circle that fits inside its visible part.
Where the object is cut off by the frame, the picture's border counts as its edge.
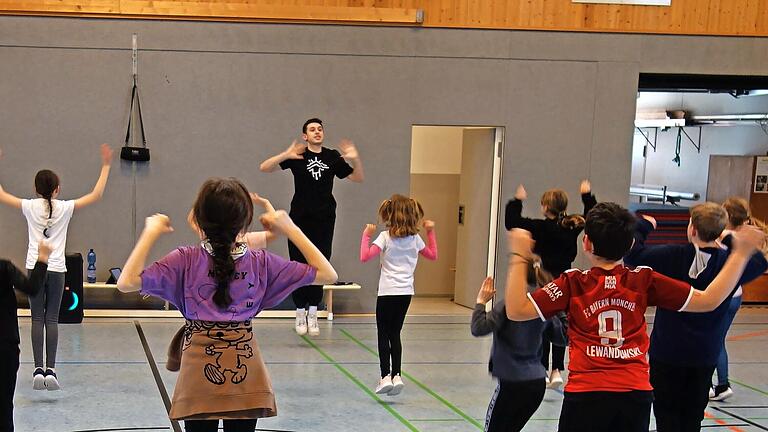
(328, 313)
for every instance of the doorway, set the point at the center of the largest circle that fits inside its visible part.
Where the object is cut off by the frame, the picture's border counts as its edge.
(456, 175)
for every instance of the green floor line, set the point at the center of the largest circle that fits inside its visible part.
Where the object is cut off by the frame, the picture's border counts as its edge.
(421, 385)
(352, 378)
(749, 386)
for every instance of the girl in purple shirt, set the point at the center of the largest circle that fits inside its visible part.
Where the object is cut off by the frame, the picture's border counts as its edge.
(219, 286)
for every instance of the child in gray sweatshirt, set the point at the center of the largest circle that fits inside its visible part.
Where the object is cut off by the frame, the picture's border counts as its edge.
(515, 355)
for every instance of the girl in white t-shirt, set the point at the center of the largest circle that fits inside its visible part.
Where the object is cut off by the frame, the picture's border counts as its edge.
(399, 246)
(48, 220)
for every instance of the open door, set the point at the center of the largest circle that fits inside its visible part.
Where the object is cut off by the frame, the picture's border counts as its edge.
(456, 175)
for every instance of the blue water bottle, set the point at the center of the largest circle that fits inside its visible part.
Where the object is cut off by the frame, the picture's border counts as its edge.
(91, 274)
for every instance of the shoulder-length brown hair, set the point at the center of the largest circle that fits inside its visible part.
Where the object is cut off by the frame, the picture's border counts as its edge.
(401, 215)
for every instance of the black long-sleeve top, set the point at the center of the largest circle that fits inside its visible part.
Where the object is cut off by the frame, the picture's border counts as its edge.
(555, 244)
(10, 278)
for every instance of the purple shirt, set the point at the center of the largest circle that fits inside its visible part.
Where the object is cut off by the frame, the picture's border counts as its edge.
(261, 280)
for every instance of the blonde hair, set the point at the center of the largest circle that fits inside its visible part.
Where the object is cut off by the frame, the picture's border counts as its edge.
(709, 219)
(401, 215)
(556, 202)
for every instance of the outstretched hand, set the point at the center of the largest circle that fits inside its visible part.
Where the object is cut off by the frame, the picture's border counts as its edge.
(369, 229)
(295, 150)
(106, 154)
(520, 193)
(43, 251)
(276, 221)
(748, 239)
(348, 149)
(261, 201)
(487, 291)
(158, 223)
(429, 225)
(585, 187)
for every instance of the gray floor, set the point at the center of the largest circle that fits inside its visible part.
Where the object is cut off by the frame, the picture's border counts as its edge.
(324, 383)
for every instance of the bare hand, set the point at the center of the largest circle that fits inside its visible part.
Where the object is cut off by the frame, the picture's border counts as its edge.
(43, 251)
(520, 193)
(158, 223)
(520, 241)
(276, 221)
(650, 219)
(585, 187)
(295, 150)
(348, 149)
(487, 291)
(261, 201)
(369, 229)
(106, 154)
(747, 239)
(429, 225)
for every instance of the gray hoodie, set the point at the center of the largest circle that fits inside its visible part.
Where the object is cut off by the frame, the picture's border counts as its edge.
(516, 350)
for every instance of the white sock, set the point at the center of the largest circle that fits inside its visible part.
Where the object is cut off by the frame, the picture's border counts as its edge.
(313, 310)
(300, 311)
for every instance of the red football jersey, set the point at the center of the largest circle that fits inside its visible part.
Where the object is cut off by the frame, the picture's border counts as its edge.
(607, 336)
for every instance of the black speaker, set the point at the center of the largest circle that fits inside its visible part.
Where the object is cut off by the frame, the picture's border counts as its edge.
(71, 309)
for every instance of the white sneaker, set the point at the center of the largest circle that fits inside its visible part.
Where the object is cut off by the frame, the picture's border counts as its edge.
(51, 382)
(397, 386)
(722, 394)
(711, 392)
(555, 380)
(38, 379)
(314, 328)
(301, 322)
(385, 385)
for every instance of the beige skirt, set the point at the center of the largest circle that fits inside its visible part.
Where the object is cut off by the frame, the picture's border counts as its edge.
(222, 374)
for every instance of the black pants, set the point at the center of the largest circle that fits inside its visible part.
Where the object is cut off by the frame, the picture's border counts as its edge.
(390, 315)
(606, 412)
(558, 352)
(9, 367)
(680, 394)
(213, 425)
(513, 403)
(319, 230)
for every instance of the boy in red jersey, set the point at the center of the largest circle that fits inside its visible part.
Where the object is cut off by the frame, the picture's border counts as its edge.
(608, 385)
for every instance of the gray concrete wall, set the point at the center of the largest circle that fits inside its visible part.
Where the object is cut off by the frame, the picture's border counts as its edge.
(220, 97)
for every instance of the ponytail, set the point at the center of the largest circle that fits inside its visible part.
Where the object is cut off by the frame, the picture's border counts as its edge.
(223, 266)
(573, 221)
(46, 182)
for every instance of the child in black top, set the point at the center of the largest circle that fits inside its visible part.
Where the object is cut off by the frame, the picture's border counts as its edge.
(555, 237)
(10, 278)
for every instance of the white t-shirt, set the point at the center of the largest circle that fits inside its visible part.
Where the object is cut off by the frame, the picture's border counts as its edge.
(36, 212)
(398, 262)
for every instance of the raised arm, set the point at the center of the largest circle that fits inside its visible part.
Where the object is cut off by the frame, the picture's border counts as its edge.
(29, 285)
(101, 183)
(747, 240)
(154, 227)
(367, 250)
(519, 307)
(350, 154)
(587, 197)
(484, 322)
(280, 221)
(513, 214)
(294, 151)
(430, 250)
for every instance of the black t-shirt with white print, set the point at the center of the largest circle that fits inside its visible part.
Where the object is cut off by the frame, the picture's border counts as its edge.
(313, 181)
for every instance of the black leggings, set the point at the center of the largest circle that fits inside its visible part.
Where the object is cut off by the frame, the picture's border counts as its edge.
(248, 425)
(390, 315)
(320, 232)
(513, 403)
